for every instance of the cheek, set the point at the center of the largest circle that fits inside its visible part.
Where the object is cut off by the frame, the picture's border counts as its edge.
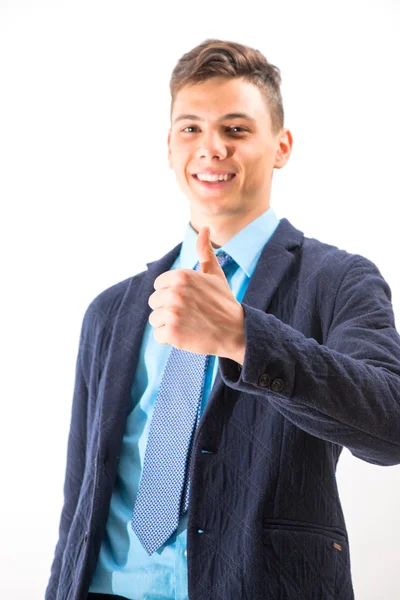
(261, 163)
(181, 159)
(254, 167)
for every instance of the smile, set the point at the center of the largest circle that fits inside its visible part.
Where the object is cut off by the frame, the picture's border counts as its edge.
(215, 185)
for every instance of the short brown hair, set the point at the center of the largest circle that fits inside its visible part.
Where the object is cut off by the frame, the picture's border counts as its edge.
(217, 58)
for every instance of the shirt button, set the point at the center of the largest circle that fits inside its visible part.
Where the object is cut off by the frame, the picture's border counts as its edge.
(185, 553)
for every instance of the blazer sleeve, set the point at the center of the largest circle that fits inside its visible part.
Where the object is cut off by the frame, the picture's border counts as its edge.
(76, 456)
(345, 391)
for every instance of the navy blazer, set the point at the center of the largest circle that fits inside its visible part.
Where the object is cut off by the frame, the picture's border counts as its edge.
(321, 371)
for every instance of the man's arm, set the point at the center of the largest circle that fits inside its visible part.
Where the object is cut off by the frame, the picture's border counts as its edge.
(76, 455)
(345, 391)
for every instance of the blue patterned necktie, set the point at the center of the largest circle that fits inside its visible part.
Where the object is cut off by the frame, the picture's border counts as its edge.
(159, 499)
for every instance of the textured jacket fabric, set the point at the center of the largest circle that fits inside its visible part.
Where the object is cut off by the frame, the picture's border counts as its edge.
(123, 565)
(321, 371)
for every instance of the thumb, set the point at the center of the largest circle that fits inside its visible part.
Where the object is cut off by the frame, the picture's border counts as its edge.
(208, 261)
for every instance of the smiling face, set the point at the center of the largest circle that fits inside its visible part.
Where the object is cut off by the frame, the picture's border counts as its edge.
(208, 135)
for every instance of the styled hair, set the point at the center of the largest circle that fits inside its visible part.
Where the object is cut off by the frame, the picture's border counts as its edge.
(217, 58)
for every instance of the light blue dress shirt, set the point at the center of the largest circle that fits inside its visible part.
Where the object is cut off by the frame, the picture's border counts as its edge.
(124, 567)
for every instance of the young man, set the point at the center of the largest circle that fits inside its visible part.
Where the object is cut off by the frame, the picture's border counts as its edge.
(215, 391)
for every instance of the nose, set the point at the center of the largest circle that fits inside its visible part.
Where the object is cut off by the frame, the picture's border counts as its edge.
(211, 145)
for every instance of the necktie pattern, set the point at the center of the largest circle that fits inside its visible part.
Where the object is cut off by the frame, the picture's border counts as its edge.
(163, 493)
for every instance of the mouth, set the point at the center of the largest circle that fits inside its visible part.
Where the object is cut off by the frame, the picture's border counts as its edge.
(214, 185)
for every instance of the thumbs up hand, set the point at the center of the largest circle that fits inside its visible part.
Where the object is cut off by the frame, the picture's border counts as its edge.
(196, 310)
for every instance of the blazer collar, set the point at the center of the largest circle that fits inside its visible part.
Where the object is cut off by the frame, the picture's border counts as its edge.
(275, 258)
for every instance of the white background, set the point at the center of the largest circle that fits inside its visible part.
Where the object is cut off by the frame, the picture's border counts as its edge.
(87, 199)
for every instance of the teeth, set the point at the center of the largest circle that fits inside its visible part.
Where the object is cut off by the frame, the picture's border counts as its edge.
(206, 177)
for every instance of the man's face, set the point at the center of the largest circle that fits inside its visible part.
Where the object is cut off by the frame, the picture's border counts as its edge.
(209, 140)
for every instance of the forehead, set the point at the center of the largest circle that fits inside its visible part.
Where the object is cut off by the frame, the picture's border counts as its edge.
(217, 96)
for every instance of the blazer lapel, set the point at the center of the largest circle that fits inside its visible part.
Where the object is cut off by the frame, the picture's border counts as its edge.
(275, 259)
(123, 354)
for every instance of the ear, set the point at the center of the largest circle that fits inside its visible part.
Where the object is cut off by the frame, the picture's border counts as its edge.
(284, 149)
(169, 150)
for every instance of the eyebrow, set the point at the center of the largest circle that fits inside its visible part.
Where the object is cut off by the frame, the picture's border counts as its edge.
(223, 118)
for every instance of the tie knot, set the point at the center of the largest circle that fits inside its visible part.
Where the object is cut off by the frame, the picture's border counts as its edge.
(222, 257)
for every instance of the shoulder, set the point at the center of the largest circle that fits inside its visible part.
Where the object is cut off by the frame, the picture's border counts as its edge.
(333, 264)
(345, 285)
(103, 309)
(98, 323)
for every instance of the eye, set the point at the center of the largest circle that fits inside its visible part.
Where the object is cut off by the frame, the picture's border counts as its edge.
(229, 128)
(238, 127)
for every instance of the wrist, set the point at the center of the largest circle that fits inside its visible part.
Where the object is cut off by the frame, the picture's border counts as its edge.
(235, 348)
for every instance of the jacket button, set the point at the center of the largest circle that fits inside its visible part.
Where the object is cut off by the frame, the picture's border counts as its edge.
(277, 385)
(85, 537)
(264, 380)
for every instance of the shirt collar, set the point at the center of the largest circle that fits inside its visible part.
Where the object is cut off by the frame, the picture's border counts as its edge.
(244, 247)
